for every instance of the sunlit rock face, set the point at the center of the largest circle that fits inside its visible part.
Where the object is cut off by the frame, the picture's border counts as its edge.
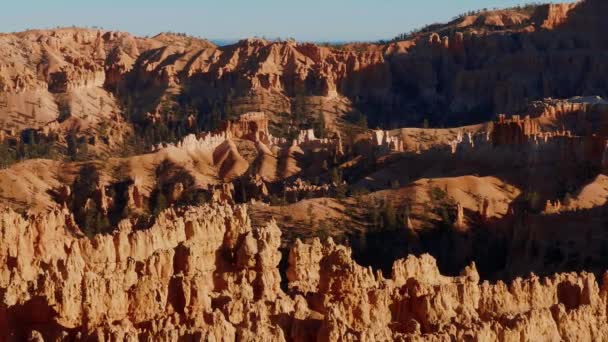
(527, 187)
(460, 69)
(205, 272)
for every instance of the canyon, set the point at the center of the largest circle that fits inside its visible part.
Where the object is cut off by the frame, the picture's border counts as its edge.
(63, 74)
(449, 184)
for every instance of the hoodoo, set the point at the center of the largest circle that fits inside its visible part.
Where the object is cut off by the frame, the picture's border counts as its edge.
(448, 184)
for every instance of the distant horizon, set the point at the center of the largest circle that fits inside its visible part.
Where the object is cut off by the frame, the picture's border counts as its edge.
(216, 41)
(339, 21)
(219, 42)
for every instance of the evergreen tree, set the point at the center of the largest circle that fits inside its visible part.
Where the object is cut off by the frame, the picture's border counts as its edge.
(243, 191)
(72, 149)
(95, 222)
(229, 113)
(309, 210)
(389, 215)
(320, 126)
(160, 203)
(336, 175)
(82, 153)
(7, 155)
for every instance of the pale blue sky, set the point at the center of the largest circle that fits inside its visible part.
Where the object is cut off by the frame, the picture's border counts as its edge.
(311, 20)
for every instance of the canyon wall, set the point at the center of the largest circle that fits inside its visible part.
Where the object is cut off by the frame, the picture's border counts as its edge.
(206, 273)
(450, 77)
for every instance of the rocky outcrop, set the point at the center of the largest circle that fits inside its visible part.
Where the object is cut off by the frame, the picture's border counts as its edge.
(458, 69)
(230, 162)
(307, 140)
(135, 199)
(274, 158)
(557, 109)
(208, 142)
(216, 148)
(384, 142)
(222, 193)
(459, 222)
(299, 189)
(251, 187)
(206, 273)
(251, 126)
(514, 130)
(551, 16)
(552, 207)
(46, 74)
(161, 280)
(465, 142)
(418, 302)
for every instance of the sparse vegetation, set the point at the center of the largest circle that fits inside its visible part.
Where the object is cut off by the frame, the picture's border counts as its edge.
(84, 202)
(438, 27)
(30, 146)
(357, 118)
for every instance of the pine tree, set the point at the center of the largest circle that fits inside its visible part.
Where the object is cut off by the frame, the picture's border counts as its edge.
(309, 210)
(320, 129)
(160, 203)
(336, 176)
(374, 214)
(7, 155)
(71, 145)
(243, 191)
(389, 215)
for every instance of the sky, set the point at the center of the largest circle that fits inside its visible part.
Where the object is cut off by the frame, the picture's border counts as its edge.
(304, 20)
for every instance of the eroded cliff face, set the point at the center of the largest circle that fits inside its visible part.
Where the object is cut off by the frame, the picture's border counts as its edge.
(205, 273)
(208, 273)
(161, 280)
(454, 77)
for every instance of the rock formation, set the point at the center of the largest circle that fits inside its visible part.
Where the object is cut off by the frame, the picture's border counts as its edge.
(207, 143)
(552, 207)
(221, 148)
(267, 76)
(153, 246)
(206, 273)
(459, 223)
(222, 193)
(307, 140)
(135, 200)
(299, 189)
(251, 187)
(553, 15)
(162, 278)
(251, 126)
(514, 130)
(385, 142)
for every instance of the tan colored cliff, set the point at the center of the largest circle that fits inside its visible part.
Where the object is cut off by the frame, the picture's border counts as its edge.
(163, 278)
(206, 273)
(514, 130)
(252, 126)
(44, 73)
(551, 16)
